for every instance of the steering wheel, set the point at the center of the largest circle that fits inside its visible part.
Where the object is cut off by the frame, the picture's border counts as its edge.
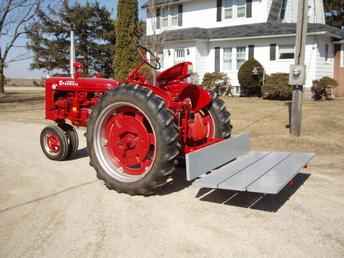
(153, 61)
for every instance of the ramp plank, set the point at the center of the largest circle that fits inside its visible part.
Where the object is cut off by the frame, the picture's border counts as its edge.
(221, 174)
(279, 176)
(213, 156)
(242, 180)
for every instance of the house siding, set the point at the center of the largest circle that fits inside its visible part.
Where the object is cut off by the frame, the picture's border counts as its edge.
(202, 54)
(203, 14)
(323, 67)
(262, 54)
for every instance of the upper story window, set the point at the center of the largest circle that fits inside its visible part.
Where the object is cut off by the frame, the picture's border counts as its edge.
(228, 9)
(169, 16)
(241, 8)
(234, 8)
(286, 52)
(164, 17)
(174, 15)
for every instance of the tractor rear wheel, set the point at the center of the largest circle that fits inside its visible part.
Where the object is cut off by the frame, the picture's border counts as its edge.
(221, 118)
(132, 140)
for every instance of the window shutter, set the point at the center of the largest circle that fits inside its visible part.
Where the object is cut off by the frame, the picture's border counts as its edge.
(219, 11)
(248, 8)
(273, 52)
(180, 15)
(217, 60)
(251, 51)
(158, 13)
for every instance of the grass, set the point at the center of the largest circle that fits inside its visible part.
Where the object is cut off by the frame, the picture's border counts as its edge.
(265, 120)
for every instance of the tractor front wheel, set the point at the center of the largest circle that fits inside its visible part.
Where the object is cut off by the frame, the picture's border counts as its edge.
(132, 140)
(54, 143)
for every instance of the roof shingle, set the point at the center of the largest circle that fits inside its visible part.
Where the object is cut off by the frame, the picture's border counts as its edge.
(243, 31)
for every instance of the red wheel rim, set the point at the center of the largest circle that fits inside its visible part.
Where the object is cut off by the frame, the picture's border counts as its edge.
(53, 143)
(129, 140)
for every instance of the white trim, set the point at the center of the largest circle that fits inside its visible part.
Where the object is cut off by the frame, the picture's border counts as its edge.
(270, 36)
(253, 37)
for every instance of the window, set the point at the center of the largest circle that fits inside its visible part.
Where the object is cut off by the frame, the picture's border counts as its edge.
(164, 17)
(240, 56)
(286, 52)
(228, 9)
(180, 52)
(170, 16)
(241, 8)
(227, 59)
(174, 15)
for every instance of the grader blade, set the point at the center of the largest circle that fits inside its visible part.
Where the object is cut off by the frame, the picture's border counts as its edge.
(230, 165)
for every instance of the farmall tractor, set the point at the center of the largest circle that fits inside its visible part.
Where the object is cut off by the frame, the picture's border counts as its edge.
(136, 130)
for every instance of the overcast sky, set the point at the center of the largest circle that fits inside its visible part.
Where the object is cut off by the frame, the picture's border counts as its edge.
(22, 69)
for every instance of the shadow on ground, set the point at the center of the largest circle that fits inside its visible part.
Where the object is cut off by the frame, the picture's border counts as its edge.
(80, 154)
(177, 183)
(257, 201)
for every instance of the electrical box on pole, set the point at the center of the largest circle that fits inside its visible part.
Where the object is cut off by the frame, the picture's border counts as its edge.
(297, 75)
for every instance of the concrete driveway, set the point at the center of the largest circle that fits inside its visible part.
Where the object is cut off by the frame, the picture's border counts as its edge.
(60, 209)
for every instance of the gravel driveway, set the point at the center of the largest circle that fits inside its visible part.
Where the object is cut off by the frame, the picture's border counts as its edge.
(60, 209)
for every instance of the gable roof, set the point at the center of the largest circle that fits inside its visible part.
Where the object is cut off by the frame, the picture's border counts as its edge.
(247, 31)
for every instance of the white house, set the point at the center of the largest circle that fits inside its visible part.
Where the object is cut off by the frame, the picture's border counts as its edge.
(220, 35)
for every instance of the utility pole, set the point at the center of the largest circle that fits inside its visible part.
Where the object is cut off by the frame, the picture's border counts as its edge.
(297, 73)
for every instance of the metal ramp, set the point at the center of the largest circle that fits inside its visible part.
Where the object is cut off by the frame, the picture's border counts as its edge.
(230, 165)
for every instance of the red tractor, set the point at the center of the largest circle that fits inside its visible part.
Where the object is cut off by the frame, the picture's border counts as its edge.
(136, 130)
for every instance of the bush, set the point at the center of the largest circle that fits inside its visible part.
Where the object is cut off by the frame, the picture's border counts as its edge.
(323, 88)
(211, 79)
(217, 82)
(277, 87)
(250, 77)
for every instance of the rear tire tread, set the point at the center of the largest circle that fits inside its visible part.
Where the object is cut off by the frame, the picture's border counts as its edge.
(167, 134)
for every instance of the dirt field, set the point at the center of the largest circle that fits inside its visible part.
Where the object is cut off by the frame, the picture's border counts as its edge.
(50, 209)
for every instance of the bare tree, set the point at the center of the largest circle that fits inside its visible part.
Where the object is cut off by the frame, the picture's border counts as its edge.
(156, 41)
(15, 16)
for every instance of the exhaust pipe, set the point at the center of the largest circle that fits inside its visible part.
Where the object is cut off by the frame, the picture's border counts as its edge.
(72, 55)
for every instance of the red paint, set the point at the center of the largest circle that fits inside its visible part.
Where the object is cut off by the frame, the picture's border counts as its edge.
(53, 143)
(71, 99)
(130, 140)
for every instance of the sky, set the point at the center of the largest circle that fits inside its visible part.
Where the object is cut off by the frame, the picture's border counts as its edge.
(22, 69)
